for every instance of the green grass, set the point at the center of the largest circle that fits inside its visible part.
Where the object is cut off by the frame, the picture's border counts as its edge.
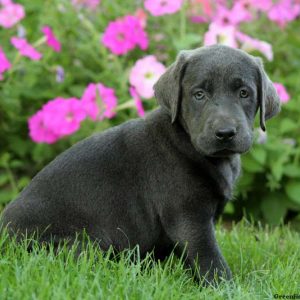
(264, 262)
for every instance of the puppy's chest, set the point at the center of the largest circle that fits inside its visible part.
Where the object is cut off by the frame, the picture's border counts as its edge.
(226, 174)
(219, 175)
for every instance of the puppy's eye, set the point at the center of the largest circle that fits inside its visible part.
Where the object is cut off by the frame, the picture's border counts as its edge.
(244, 93)
(199, 95)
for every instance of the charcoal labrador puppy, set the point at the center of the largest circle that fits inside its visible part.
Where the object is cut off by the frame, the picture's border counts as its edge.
(160, 181)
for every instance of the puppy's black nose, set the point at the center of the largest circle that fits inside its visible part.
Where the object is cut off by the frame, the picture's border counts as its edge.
(225, 134)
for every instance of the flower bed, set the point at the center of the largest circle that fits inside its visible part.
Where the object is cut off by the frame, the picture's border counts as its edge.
(72, 68)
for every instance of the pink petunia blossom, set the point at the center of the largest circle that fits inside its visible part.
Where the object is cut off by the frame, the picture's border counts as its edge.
(5, 2)
(284, 11)
(51, 40)
(11, 14)
(218, 34)
(25, 48)
(234, 16)
(249, 44)
(163, 7)
(99, 101)
(282, 92)
(124, 34)
(138, 102)
(241, 11)
(262, 5)
(144, 75)
(4, 63)
(142, 16)
(63, 116)
(200, 11)
(39, 132)
(198, 19)
(91, 4)
(57, 118)
(206, 7)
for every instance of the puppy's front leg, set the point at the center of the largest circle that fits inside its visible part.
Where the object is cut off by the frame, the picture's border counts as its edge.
(197, 240)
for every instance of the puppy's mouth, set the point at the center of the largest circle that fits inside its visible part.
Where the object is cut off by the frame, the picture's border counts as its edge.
(219, 152)
(214, 148)
(224, 153)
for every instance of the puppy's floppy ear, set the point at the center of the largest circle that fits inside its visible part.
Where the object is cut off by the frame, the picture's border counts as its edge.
(167, 89)
(268, 98)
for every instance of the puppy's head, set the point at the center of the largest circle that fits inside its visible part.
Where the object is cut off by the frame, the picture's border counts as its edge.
(215, 93)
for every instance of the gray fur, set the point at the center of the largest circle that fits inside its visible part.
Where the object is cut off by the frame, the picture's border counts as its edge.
(159, 181)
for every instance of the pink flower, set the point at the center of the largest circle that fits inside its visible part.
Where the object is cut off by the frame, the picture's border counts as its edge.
(5, 2)
(63, 116)
(205, 6)
(99, 101)
(144, 75)
(284, 11)
(240, 12)
(200, 11)
(57, 118)
(234, 16)
(4, 63)
(218, 34)
(198, 19)
(25, 48)
(11, 14)
(264, 5)
(249, 44)
(125, 34)
(138, 102)
(282, 92)
(91, 4)
(39, 131)
(142, 16)
(51, 39)
(162, 7)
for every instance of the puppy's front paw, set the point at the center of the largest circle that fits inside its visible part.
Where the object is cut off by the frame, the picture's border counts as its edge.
(213, 275)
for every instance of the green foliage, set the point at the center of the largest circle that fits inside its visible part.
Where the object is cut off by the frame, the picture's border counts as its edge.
(270, 184)
(263, 262)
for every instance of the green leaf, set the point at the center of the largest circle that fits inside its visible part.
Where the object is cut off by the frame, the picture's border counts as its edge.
(292, 171)
(229, 208)
(23, 182)
(14, 164)
(76, 90)
(251, 165)
(274, 208)
(259, 154)
(6, 196)
(287, 125)
(42, 152)
(292, 189)
(4, 178)
(292, 205)
(190, 39)
(19, 145)
(4, 159)
(277, 169)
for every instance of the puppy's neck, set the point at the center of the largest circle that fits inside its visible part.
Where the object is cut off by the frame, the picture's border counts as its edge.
(223, 170)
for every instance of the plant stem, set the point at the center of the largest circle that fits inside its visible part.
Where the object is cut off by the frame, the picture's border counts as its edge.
(183, 21)
(125, 105)
(39, 42)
